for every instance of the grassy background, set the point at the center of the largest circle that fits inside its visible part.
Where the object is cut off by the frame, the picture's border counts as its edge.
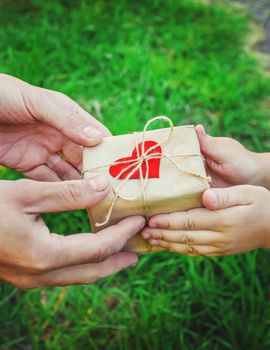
(126, 62)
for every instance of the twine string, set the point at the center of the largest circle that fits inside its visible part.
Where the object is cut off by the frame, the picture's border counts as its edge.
(134, 165)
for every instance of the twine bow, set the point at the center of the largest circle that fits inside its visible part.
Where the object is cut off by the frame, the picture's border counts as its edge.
(142, 158)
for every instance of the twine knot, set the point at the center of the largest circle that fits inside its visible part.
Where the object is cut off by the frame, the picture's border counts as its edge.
(134, 165)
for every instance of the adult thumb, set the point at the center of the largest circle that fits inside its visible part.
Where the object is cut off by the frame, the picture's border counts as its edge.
(221, 198)
(44, 197)
(61, 112)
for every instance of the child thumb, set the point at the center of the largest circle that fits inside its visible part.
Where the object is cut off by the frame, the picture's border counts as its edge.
(210, 145)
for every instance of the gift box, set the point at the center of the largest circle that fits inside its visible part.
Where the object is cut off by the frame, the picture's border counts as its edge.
(151, 172)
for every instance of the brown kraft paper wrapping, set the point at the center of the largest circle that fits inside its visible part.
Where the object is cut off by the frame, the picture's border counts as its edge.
(179, 186)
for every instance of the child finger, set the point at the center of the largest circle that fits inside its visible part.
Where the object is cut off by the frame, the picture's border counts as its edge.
(187, 249)
(212, 238)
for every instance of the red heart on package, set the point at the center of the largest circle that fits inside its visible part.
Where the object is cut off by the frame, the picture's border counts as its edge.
(153, 164)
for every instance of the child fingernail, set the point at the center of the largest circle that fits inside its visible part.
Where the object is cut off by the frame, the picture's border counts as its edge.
(91, 132)
(213, 197)
(153, 223)
(202, 130)
(154, 242)
(146, 235)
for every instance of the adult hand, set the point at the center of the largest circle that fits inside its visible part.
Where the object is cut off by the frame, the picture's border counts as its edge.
(230, 163)
(235, 220)
(31, 256)
(37, 124)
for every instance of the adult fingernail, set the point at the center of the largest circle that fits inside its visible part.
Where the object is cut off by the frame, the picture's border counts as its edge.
(91, 132)
(135, 262)
(99, 183)
(142, 224)
(80, 167)
(213, 198)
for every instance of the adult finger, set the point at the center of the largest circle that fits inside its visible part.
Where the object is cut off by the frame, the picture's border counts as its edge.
(42, 197)
(62, 168)
(42, 173)
(221, 198)
(61, 112)
(88, 273)
(187, 249)
(85, 248)
(185, 237)
(190, 220)
(73, 153)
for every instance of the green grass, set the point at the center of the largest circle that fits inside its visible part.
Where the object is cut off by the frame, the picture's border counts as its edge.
(126, 62)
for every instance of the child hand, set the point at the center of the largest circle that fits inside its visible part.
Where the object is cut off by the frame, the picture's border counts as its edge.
(229, 163)
(235, 220)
